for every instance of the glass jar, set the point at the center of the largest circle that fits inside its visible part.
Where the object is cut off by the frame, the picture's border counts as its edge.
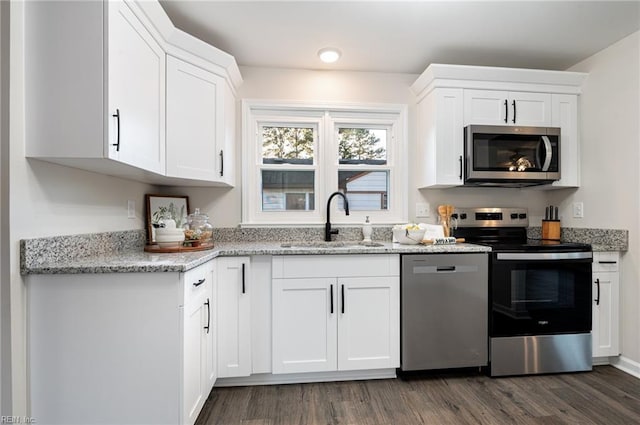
(198, 231)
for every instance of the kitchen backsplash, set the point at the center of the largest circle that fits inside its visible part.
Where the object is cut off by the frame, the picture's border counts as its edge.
(287, 234)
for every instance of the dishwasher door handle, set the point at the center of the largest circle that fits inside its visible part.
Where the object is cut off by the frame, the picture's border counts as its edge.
(459, 268)
(446, 268)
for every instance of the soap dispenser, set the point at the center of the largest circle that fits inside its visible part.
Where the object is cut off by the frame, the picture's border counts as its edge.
(367, 230)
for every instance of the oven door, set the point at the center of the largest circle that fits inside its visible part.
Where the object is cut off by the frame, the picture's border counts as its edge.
(540, 293)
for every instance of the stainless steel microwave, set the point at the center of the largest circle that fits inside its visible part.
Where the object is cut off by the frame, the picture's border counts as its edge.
(511, 156)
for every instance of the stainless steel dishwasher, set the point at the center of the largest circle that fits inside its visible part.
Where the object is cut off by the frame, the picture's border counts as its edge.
(444, 311)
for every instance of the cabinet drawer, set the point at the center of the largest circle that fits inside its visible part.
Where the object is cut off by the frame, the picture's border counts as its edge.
(606, 261)
(197, 281)
(296, 266)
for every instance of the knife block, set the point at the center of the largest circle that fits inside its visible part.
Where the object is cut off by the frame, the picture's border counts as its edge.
(551, 230)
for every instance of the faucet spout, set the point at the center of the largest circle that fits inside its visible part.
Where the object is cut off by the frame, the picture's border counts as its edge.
(327, 226)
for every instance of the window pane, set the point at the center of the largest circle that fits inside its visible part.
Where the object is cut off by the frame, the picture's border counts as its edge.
(365, 190)
(288, 190)
(362, 146)
(287, 145)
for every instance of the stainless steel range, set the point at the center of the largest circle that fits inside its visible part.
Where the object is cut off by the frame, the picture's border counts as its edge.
(539, 293)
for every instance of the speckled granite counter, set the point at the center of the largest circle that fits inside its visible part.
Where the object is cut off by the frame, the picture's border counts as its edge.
(122, 252)
(72, 254)
(599, 239)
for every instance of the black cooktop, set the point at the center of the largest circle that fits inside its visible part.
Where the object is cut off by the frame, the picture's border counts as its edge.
(514, 239)
(537, 245)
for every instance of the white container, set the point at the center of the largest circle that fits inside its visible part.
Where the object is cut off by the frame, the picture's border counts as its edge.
(367, 230)
(408, 237)
(169, 236)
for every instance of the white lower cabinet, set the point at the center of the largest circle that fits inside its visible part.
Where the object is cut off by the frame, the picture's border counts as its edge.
(606, 299)
(234, 319)
(199, 351)
(335, 313)
(132, 348)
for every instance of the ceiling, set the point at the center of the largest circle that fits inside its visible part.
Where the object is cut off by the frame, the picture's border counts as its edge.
(406, 36)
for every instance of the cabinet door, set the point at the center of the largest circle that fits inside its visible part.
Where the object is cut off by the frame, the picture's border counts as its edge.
(211, 329)
(494, 107)
(440, 139)
(136, 87)
(605, 314)
(369, 323)
(226, 145)
(564, 108)
(195, 103)
(234, 321)
(304, 325)
(530, 109)
(489, 107)
(195, 386)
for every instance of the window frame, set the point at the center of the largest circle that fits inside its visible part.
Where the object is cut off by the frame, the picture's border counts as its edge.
(328, 118)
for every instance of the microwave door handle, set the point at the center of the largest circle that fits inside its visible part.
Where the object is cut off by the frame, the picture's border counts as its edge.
(549, 153)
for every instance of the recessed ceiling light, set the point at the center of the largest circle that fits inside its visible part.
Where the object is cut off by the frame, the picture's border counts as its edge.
(329, 54)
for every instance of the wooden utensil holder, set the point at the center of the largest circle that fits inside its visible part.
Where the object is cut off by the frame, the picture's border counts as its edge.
(551, 230)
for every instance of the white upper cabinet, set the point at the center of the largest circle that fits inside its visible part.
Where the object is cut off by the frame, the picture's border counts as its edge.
(492, 107)
(136, 87)
(564, 108)
(440, 138)
(95, 88)
(195, 114)
(450, 97)
(95, 93)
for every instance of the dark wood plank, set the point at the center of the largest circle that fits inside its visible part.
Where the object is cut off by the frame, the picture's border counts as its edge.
(604, 396)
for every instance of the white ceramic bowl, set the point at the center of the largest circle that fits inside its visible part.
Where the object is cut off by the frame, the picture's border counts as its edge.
(168, 238)
(408, 237)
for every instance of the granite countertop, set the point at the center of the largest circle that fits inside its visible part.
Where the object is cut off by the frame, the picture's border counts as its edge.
(131, 261)
(123, 251)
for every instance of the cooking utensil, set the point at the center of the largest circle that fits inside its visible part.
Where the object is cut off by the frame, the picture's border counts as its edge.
(444, 213)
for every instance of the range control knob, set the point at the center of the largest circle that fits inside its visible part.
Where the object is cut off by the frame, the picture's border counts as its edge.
(522, 216)
(514, 216)
(463, 216)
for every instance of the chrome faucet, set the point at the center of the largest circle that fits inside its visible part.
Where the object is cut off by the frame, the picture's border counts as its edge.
(327, 227)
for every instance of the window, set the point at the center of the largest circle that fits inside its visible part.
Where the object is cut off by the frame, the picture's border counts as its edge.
(297, 155)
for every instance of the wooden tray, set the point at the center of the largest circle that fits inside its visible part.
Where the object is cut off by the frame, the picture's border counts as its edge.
(165, 250)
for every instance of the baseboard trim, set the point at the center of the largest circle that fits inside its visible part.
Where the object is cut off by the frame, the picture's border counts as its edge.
(302, 378)
(603, 361)
(627, 365)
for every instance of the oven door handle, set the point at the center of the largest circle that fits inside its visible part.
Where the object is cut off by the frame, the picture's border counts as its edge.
(543, 256)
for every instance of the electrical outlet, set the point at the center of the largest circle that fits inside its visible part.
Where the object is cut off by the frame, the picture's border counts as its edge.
(578, 210)
(131, 209)
(422, 209)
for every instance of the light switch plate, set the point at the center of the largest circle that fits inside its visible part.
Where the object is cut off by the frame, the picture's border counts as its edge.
(131, 209)
(422, 209)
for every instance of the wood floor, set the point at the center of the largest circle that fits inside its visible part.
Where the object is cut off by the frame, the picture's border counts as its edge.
(604, 396)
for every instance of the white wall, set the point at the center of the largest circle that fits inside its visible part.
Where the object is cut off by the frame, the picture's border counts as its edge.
(610, 153)
(224, 205)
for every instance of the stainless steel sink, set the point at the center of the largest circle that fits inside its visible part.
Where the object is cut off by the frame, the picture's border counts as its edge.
(331, 245)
